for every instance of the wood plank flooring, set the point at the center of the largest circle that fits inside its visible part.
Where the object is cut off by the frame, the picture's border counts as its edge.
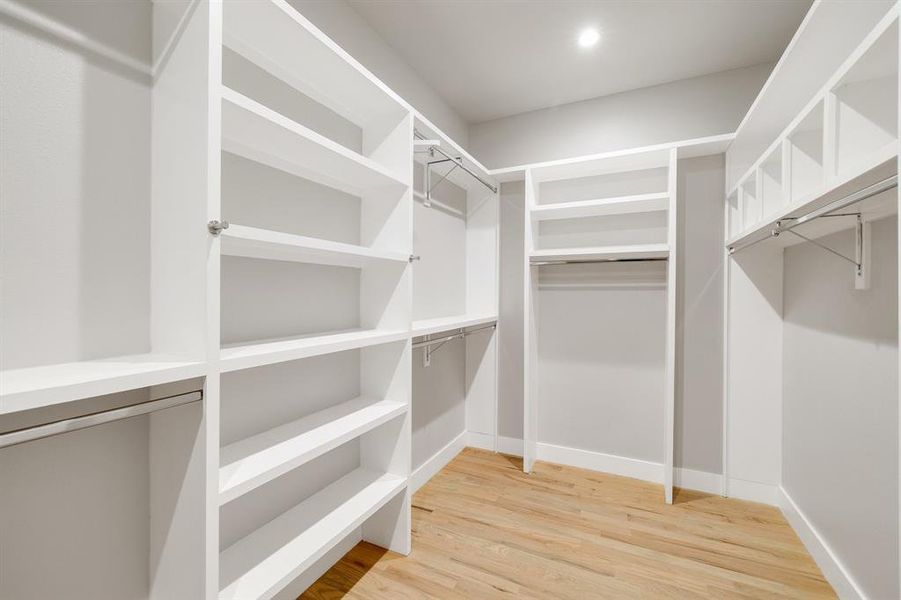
(483, 529)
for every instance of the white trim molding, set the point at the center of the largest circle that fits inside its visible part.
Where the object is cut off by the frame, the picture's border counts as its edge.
(436, 462)
(598, 461)
(835, 572)
(700, 481)
(753, 491)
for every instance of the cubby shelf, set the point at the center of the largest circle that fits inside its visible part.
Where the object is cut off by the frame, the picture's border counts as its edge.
(276, 37)
(260, 134)
(254, 461)
(639, 203)
(234, 357)
(36, 387)
(881, 165)
(631, 251)
(437, 325)
(252, 242)
(261, 564)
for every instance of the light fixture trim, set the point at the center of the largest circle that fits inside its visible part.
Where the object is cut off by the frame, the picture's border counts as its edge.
(589, 37)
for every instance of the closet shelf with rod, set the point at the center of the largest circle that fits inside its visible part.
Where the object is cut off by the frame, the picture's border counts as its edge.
(601, 253)
(437, 325)
(638, 203)
(37, 387)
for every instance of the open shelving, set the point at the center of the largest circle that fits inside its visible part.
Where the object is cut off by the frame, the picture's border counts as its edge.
(252, 130)
(439, 324)
(44, 386)
(254, 461)
(845, 138)
(618, 209)
(253, 242)
(263, 563)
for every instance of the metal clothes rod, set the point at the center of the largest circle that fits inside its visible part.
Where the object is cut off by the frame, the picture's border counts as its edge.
(858, 196)
(37, 432)
(543, 263)
(458, 162)
(460, 334)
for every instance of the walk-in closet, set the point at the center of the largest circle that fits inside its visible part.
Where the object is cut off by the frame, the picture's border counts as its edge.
(442, 299)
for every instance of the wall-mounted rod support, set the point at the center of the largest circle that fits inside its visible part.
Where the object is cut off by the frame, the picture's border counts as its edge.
(824, 211)
(544, 263)
(428, 343)
(457, 160)
(827, 249)
(20, 436)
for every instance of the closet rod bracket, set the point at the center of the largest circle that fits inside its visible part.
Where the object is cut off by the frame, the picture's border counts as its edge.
(217, 227)
(861, 248)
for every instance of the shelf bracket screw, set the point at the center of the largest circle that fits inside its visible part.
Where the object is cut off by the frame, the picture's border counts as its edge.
(414, 257)
(217, 227)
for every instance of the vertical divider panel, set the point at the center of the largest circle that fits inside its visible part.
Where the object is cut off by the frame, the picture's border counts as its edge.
(386, 370)
(672, 274)
(184, 442)
(530, 332)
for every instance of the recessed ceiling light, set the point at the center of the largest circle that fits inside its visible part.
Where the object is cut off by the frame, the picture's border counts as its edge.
(589, 37)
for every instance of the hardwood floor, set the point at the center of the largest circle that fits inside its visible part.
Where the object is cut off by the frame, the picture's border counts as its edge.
(484, 529)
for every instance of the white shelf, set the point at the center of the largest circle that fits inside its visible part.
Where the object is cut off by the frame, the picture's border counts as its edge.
(36, 387)
(252, 242)
(234, 357)
(280, 40)
(255, 132)
(261, 564)
(632, 251)
(880, 165)
(639, 203)
(252, 462)
(430, 326)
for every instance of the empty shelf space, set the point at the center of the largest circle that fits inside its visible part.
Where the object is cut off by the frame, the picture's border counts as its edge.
(252, 242)
(430, 326)
(252, 462)
(600, 253)
(639, 203)
(36, 387)
(234, 357)
(280, 40)
(261, 564)
(257, 133)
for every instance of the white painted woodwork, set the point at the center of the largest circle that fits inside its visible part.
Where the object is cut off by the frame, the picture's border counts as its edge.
(638, 203)
(439, 324)
(252, 242)
(635, 251)
(261, 564)
(251, 462)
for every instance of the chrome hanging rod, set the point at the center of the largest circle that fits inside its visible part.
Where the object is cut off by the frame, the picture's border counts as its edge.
(824, 211)
(27, 434)
(457, 160)
(458, 335)
(543, 263)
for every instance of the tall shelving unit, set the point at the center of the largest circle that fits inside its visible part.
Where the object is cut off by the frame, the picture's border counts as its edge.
(315, 416)
(842, 145)
(620, 209)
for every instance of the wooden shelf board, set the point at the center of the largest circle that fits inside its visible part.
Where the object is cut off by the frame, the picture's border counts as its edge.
(260, 134)
(261, 564)
(234, 357)
(639, 203)
(631, 251)
(875, 168)
(254, 461)
(252, 242)
(439, 324)
(276, 37)
(37, 387)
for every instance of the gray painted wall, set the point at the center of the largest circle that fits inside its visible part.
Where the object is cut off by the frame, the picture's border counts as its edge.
(686, 109)
(699, 370)
(840, 403)
(510, 334)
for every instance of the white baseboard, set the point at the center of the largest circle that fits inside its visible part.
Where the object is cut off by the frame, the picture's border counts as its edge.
(598, 461)
(483, 441)
(431, 466)
(833, 569)
(701, 481)
(753, 491)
